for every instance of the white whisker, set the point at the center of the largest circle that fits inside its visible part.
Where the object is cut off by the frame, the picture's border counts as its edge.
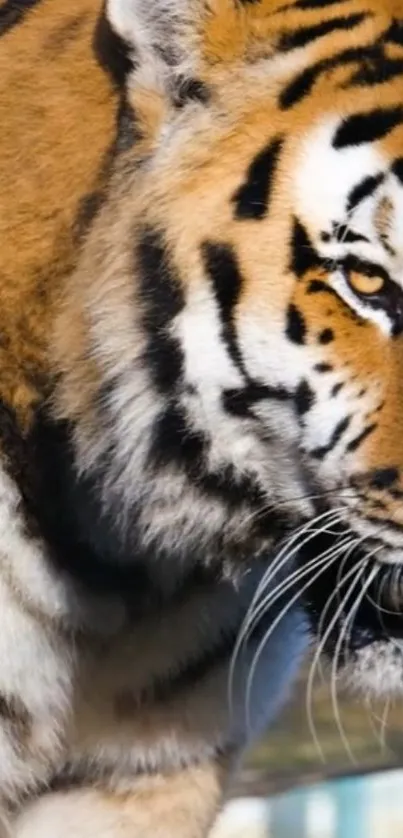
(272, 628)
(336, 656)
(320, 647)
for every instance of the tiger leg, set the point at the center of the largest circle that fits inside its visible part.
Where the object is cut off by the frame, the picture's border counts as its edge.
(177, 805)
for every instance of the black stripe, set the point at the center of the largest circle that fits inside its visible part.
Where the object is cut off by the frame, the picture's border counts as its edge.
(397, 169)
(359, 439)
(303, 83)
(395, 33)
(295, 325)
(222, 268)
(363, 190)
(239, 401)
(344, 234)
(304, 398)
(340, 429)
(174, 441)
(303, 255)
(253, 196)
(367, 127)
(190, 674)
(377, 69)
(112, 52)
(336, 389)
(13, 12)
(306, 34)
(313, 4)
(161, 299)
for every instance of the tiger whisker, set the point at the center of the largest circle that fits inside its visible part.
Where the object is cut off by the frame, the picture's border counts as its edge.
(268, 634)
(318, 652)
(336, 656)
(281, 559)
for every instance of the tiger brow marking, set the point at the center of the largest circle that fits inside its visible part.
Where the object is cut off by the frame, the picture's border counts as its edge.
(252, 199)
(303, 83)
(367, 127)
(304, 35)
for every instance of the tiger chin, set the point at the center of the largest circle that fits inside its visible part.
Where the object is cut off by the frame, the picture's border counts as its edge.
(201, 410)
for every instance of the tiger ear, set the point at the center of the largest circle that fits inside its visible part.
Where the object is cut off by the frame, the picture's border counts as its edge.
(159, 36)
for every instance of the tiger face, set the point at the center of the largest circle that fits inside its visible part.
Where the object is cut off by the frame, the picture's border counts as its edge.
(231, 344)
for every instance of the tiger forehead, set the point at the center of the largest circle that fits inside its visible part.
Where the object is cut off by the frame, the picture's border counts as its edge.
(232, 31)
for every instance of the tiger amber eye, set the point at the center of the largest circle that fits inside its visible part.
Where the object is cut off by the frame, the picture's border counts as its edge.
(363, 284)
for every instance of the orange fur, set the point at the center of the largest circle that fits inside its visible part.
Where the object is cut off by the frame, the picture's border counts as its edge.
(57, 112)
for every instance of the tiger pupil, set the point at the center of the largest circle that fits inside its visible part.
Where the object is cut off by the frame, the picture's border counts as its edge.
(363, 284)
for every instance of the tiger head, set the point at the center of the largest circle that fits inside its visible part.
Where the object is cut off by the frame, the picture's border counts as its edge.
(231, 344)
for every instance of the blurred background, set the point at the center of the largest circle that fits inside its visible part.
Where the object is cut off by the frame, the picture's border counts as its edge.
(341, 779)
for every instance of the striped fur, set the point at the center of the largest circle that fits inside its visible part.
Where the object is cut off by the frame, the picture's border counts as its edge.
(210, 267)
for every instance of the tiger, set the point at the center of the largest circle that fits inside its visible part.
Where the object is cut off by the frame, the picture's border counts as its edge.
(114, 673)
(201, 338)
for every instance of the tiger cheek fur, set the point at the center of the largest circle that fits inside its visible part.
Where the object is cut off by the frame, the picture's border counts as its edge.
(211, 367)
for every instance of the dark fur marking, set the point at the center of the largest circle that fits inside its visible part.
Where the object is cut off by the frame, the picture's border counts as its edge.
(384, 478)
(295, 326)
(239, 402)
(175, 441)
(323, 367)
(397, 169)
(312, 4)
(367, 127)
(336, 389)
(111, 51)
(222, 269)
(326, 336)
(304, 398)
(344, 234)
(306, 34)
(377, 69)
(340, 429)
(191, 672)
(252, 199)
(15, 713)
(303, 255)
(127, 129)
(12, 13)
(161, 299)
(363, 190)
(304, 81)
(395, 33)
(191, 90)
(359, 439)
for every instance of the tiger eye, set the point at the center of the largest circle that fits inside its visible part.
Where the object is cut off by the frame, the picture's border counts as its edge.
(363, 284)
